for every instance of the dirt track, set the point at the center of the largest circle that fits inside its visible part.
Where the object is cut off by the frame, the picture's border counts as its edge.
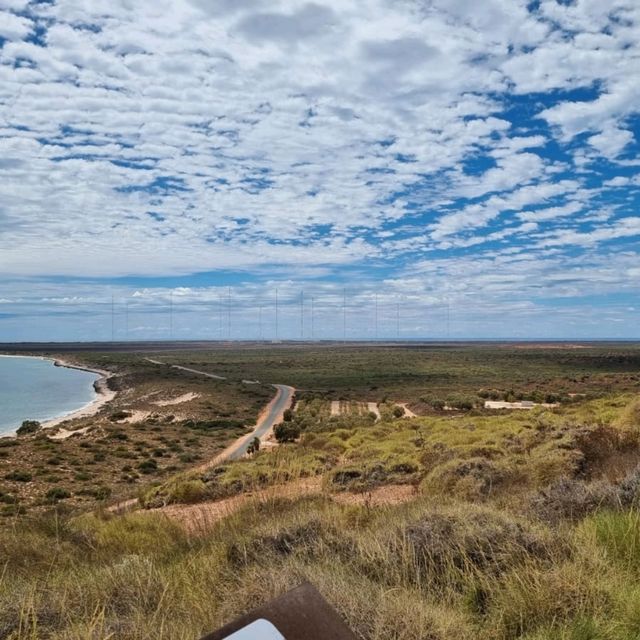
(199, 518)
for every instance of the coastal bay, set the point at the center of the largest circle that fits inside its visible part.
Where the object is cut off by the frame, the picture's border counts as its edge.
(33, 388)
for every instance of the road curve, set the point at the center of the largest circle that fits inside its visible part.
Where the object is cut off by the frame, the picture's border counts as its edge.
(266, 423)
(272, 415)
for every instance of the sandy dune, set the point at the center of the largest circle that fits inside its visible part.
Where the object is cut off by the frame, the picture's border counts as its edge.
(187, 397)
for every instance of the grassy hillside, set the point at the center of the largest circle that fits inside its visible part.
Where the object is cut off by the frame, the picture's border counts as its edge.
(557, 555)
(425, 569)
(473, 455)
(452, 525)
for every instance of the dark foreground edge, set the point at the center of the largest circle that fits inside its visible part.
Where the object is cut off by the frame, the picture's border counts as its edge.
(301, 614)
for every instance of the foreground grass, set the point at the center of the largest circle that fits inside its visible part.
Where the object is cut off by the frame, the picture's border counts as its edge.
(414, 571)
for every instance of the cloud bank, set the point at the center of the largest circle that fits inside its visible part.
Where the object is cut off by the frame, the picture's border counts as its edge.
(460, 147)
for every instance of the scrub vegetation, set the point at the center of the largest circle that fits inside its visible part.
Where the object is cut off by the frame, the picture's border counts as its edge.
(162, 421)
(496, 524)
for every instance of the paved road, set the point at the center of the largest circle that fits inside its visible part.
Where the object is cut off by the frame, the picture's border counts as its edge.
(239, 448)
(275, 410)
(177, 366)
(273, 416)
(202, 373)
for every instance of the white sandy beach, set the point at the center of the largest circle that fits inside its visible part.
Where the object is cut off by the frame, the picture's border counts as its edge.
(104, 395)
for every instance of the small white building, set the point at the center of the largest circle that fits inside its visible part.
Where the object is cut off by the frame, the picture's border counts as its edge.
(524, 404)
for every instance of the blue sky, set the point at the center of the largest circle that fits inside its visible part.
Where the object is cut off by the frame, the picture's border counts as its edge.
(469, 168)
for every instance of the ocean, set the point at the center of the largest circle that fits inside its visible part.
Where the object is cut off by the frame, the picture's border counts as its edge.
(34, 389)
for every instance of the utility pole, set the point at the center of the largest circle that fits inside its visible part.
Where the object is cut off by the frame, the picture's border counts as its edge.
(171, 315)
(229, 313)
(376, 322)
(344, 314)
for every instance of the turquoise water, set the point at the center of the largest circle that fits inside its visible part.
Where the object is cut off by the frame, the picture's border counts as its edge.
(34, 389)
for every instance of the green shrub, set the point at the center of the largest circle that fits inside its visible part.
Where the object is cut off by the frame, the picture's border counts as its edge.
(287, 432)
(118, 416)
(148, 466)
(11, 510)
(29, 427)
(188, 492)
(254, 446)
(19, 476)
(471, 479)
(398, 411)
(55, 494)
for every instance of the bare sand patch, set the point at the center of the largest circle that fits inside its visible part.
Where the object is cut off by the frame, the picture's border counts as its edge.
(64, 434)
(137, 415)
(388, 495)
(187, 397)
(198, 518)
(498, 404)
(407, 412)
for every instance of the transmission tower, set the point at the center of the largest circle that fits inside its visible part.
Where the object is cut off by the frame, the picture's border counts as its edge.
(277, 334)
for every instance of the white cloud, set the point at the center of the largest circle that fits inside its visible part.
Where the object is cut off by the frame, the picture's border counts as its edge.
(622, 228)
(14, 5)
(551, 213)
(476, 216)
(14, 27)
(169, 138)
(308, 21)
(611, 141)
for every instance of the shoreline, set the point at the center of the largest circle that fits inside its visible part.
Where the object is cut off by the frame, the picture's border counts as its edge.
(104, 395)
